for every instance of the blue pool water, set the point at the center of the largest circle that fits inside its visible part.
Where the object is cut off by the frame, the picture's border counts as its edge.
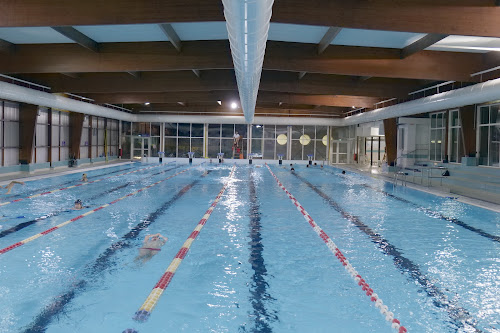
(257, 265)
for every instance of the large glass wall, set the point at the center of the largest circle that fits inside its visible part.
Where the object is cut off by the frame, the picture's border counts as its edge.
(183, 138)
(208, 140)
(489, 135)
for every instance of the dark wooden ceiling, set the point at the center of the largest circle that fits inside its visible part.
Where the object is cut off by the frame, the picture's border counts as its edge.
(189, 77)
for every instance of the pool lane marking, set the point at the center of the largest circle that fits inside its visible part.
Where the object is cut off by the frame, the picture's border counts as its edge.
(77, 185)
(379, 304)
(21, 194)
(26, 224)
(43, 233)
(42, 320)
(459, 315)
(147, 307)
(434, 213)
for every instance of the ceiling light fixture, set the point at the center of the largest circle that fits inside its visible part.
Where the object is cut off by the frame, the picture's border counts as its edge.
(353, 107)
(234, 105)
(220, 102)
(147, 103)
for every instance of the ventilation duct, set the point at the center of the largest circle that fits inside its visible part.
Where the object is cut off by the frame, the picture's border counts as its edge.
(247, 24)
(479, 93)
(17, 93)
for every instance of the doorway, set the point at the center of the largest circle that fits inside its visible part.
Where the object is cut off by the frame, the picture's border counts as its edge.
(140, 147)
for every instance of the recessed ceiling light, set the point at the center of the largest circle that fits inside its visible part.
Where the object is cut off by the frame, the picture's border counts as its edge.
(147, 103)
(220, 102)
(353, 107)
(234, 105)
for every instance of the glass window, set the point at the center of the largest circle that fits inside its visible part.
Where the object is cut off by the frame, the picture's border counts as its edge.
(171, 129)
(494, 145)
(257, 147)
(241, 129)
(184, 130)
(494, 112)
(433, 120)
(197, 147)
(269, 132)
(170, 147)
(297, 132)
(227, 131)
(310, 130)
(227, 147)
(269, 149)
(213, 130)
(296, 150)
(321, 131)
(183, 147)
(213, 147)
(197, 130)
(155, 129)
(257, 131)
(454, 118)
(484, 115)
(483, 145)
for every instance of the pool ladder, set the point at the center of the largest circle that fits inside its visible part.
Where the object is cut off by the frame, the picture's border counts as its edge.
(400, 176)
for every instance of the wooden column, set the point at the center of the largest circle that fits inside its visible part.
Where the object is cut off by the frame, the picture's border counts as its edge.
(391, 140)
(467, 122)
(27, 125)
(49, 138)
(75, 133)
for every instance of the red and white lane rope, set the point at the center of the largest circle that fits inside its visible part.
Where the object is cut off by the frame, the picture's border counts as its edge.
(379, 304)
(73, 186)
(147, 307)
(59, 226)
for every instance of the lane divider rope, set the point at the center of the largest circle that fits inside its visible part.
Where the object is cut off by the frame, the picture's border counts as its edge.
(147, 307)
(77, 185)
(43, 233)
(379, 304)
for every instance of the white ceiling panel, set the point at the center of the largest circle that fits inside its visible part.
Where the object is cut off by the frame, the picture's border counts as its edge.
(123, 33)
(32, 35)
(467, 44)
(296, 33)
(201, 30)
(376, 38)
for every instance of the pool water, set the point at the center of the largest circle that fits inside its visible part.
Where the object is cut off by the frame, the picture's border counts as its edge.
(257, 265)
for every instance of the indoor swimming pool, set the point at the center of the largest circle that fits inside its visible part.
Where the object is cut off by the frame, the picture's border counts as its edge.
(251, 248)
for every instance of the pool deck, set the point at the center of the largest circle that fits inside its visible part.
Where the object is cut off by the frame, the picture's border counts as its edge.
(375, 172)
(59, 171)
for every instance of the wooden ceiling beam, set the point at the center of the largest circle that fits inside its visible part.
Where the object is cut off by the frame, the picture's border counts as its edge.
(328, 38)
(172, 36)
(78, 37)
(421, 44)
(213, 97)
(224, 80)
(7, 47)
(423, 16)
(206, 55)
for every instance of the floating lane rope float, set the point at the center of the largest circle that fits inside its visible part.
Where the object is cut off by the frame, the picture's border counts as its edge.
(59, 226)
(77, 185)
(379, 304)
(147, 307)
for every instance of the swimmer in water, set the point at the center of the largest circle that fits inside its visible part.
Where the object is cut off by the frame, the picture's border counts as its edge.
(78, 205)
(11, 185)
(84, 178)
(151, 246)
